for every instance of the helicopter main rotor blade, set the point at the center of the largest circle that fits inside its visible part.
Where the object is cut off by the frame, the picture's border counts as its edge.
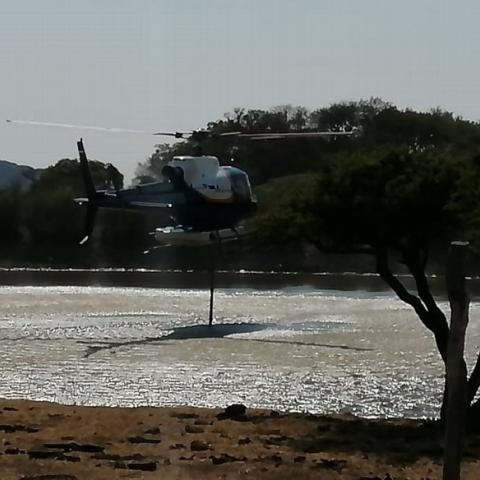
(190, 134)
(173, 134)
(279, 136)
(200, 135)
(227, 134)
(82, 127)
(196, 135)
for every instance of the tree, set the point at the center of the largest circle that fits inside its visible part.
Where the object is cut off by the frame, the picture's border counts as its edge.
(151, 169)
(10, 214)
(49, 213)
(394, 204)
(66, 173)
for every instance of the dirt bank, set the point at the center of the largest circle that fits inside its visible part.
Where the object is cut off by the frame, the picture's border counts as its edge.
(55, 442)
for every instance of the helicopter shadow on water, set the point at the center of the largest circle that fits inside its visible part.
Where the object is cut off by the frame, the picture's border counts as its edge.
(224, 331)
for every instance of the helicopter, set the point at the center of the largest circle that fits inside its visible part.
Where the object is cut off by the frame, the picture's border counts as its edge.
(199, 201)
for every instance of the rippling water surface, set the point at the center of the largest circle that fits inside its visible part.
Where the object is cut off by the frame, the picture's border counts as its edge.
(298, 349)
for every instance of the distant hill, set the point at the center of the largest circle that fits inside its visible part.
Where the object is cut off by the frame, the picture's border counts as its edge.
(11, 174)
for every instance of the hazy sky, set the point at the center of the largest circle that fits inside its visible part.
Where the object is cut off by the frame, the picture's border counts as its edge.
(177, 64)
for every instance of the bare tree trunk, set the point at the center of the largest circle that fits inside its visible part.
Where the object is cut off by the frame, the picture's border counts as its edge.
(456, 369)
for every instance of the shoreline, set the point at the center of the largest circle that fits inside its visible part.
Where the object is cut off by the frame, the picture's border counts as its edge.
(189, 279)
(199, 279)
(348, 281)
(78, 442)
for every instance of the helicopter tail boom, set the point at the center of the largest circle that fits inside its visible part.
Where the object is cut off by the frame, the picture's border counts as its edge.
(89, 190)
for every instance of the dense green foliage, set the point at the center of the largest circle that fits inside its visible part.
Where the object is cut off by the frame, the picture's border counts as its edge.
(388, 197)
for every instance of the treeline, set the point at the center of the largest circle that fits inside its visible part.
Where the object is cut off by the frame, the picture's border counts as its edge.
(403, 176)
(42, 225)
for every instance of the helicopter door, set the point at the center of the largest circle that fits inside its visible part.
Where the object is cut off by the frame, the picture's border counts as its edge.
(240, 187)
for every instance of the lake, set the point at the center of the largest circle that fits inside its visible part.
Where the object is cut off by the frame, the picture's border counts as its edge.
(288, 344)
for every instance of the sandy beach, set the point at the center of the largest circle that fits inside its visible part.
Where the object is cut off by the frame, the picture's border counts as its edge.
(47, 441)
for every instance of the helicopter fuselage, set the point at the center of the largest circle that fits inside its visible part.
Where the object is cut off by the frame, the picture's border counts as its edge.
(197, 195)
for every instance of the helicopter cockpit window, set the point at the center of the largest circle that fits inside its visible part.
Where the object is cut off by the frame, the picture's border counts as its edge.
(240, 186)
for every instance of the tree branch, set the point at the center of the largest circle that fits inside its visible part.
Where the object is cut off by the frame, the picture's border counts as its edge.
(414, 264)
(427, 317)
(383, 269)
(436, 320)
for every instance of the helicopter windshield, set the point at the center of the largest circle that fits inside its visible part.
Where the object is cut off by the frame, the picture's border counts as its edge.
(240, 186)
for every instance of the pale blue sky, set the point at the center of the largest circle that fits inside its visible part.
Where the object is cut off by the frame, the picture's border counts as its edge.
(177, 64)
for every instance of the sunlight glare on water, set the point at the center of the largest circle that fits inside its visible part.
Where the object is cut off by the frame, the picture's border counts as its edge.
(294, 349)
